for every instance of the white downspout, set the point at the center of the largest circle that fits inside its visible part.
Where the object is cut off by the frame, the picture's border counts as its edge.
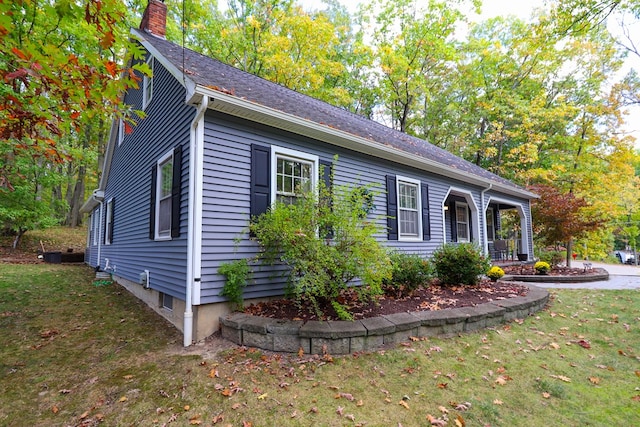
(100, 222)
(194, 233)
(483, 217)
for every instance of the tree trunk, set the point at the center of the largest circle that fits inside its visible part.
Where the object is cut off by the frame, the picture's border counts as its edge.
(569, 252)
(16, 241)
(73, 218)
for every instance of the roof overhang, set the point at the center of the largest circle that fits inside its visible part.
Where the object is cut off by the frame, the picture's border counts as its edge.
(96, 198)
(259, 113)
(246, 109)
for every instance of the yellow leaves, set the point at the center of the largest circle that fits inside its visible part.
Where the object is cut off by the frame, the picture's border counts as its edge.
(561, 378)
(546, 395)
(263, 396)
(594, 380)
(403, 404)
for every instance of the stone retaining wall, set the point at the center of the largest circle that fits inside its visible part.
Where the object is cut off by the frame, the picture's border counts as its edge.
(598, 274)
(344, 337)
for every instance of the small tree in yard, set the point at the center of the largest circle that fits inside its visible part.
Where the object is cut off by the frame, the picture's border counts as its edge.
(560, 218)
(327, 242)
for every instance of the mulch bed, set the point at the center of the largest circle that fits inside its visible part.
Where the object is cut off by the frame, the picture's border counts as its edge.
(528, 269)
(431, 297)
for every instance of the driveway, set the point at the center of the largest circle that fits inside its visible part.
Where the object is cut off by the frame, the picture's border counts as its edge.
(621, 276)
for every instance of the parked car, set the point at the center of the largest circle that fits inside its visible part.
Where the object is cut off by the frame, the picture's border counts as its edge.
(625, 257)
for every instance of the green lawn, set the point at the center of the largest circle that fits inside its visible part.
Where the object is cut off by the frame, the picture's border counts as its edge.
(78, 352)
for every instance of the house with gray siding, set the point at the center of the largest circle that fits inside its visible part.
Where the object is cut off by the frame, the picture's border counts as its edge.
(218, 145)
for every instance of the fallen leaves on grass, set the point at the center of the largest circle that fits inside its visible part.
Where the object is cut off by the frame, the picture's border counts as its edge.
(561, 378)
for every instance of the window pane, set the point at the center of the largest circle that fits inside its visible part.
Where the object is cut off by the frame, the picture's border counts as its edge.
(408, 223)
(164, 215)
(292, 178)
(166, 178)
(408, 196)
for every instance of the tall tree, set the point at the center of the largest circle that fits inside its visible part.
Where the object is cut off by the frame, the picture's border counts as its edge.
(59, 65)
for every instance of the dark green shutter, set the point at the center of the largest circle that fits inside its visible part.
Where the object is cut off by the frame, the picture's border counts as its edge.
(392, 208)
(176, 191)
(152, 202)
(325, 170)
(426, 223)
(260, 179)
(112, 202)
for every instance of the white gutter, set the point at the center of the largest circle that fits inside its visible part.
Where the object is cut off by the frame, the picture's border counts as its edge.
(484, 219)
(194, 233)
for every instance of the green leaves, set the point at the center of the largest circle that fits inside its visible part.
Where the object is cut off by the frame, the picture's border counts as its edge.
(320, 266)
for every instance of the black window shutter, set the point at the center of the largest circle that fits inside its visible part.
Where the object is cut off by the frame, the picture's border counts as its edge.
(325, 170)
(426, 223)
(112, 202)
(453, 217)
(260, 179)
(152, 202)
(176, 191)
(392, 208)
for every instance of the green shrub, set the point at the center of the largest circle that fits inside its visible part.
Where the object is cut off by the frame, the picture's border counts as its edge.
(409, 272)
(236, 274)
(328, 243)
(551, 257)
(460, 264)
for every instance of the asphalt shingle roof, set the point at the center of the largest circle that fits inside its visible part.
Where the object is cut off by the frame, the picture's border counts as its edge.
(211, 73)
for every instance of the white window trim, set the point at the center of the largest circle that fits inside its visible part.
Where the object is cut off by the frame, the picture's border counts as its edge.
(164, 298)
(147, 85)
(95, 223)
(493, 224)
(406, 180)
(277, 152)
(466, 207)
(120, 132)
(158, 190)
(108, 222)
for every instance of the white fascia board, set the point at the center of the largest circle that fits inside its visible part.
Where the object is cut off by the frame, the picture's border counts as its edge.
(270, 116)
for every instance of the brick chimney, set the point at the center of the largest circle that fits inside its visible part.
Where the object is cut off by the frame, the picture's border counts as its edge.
(154, 20)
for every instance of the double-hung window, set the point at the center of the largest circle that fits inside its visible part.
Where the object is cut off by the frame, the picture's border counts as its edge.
(462, 222)
(163, 200)
(293, 174)
(409, 208)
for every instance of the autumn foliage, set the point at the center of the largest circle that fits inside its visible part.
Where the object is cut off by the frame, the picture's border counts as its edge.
(559, 217)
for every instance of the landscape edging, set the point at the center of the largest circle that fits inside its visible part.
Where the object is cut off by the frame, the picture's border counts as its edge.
(345, 337)
(601, 274)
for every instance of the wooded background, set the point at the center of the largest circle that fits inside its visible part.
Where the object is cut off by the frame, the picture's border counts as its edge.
(542, 102)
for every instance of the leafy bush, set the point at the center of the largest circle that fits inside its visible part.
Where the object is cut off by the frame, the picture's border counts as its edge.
(495, 273)
(542, 267)
(459, 264)
(552, 257)
(409, 271)
(236, 273)
(327, 242)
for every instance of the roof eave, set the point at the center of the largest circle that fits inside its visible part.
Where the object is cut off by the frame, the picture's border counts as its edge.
(240, 107)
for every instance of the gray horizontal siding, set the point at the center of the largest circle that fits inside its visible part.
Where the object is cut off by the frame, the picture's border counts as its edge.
(165, 127)
(226, 198)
